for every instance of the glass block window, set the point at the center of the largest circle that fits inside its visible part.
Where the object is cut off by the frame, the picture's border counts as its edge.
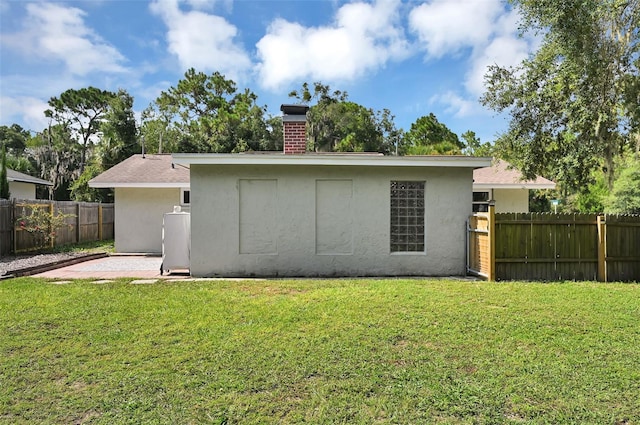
(407, 216)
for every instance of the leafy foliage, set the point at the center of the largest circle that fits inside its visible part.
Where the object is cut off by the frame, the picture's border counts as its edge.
(335, 124)
(42, 224)
(81, 112)
(592, 199)
(572, 103)
(14, 138)
(428, 136)
(4, 182)
(625, 195)
(81, 192)
(118, 141)
(57, 158)
(206, 113)
(474, 147)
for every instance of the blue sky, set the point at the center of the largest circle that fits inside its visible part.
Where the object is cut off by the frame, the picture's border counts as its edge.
(411, 57)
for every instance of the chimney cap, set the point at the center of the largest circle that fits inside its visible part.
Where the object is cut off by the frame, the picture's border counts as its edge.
(293, 109)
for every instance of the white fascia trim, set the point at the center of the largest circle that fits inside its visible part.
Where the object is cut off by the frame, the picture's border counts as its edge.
(140, 185)
(15, 180)
(487, 186)
(333, 160)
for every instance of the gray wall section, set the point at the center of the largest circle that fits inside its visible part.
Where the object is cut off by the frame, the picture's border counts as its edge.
(230, 205)
(138, 217)
(21, 190)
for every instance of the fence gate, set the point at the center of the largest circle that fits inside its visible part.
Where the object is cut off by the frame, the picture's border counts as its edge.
(479, 257)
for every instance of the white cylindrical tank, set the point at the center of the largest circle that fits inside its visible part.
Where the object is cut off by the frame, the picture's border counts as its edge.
(176, 240)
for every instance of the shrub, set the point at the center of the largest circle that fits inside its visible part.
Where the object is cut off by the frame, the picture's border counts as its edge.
(42, 225)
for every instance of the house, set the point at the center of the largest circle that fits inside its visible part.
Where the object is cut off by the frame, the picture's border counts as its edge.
(145, 187)
(506, 186)
(306, 214)
(23, 186)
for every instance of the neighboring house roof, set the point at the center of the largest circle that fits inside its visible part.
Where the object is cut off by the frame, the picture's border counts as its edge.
(143, 171)
(332, 159)
(16, 176)
(502, 175)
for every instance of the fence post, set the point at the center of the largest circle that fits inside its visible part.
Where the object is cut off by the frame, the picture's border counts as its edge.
(51, 211)
(100, 222)
(78, 222)
(14, 231)
(491, 275)
(602, 248)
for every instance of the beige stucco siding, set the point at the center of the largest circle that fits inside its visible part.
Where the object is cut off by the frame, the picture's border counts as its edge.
(295, 237)
(511, 200)
(21, 190)
(138, 217)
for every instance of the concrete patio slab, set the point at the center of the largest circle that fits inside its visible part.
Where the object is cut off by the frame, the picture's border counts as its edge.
(113, 267)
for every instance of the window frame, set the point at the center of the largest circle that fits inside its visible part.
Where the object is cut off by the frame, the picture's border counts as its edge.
(183, 191)
(483, 205)
(407, 217)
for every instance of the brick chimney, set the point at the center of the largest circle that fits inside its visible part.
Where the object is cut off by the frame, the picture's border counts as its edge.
(294, 127)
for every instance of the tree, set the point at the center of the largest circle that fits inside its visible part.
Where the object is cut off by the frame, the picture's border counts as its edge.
(473, 146)
(57, 158)
(572, 102)
(158, 133)
(336, 124)
(4, 181)
(118, 141)
(14, 138)
(206, 113)
(81, 112)
(428, 136)
(119, 132)
(625, 196)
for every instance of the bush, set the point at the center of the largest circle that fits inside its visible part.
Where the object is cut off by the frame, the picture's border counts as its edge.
(42, 225)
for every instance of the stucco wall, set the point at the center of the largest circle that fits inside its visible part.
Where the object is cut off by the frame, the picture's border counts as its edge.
(285, 229)
(21, 190)
(138, 217)
(511, 200)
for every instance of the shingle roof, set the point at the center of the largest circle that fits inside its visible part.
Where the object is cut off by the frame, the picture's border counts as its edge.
(143, 171)
(16, 176)
(502, 175)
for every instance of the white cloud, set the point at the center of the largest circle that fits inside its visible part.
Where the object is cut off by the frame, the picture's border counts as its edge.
(485, 29)
(29, 111)
(446, 26)
(364, 37)
(456, 105)
(209, 4)
(203, 41)
(503, 51)
(55, 32)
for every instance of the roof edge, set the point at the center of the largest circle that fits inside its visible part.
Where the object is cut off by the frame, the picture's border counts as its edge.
(523, 185)
(372, 160)
(109, 185)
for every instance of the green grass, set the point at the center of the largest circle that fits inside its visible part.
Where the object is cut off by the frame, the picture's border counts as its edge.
(88, 247)
(319, 351)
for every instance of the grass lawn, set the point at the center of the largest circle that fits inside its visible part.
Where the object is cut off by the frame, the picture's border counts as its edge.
(319, 351)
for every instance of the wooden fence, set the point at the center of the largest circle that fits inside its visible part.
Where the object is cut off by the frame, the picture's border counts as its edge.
(87, 222)
(534, 246)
